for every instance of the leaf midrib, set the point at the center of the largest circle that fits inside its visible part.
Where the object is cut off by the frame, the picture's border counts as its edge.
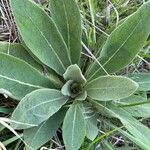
(45, 39)
(103, 88)
(68, 29)
(117, 49)
(144, 82)
(73, 126)
(21, 82)
(49, 101)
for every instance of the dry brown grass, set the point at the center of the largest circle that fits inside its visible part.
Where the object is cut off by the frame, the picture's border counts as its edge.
(7, 26)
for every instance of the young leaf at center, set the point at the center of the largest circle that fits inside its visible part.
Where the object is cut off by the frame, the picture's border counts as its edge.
(74, 73)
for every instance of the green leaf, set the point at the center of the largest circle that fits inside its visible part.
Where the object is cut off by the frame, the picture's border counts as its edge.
(135, 140)
(91, 127)
(6, 110)
(74, 129)
(74, 73)
(136, 105)
(17, 50)
(66, 15)
(82, 96)
(66, 89)
(37, 107)
(41, 35)
(109, 146)
(11, 140)
(123, 44)
(143, 79)
(18, 78)
(137, 129)
(91, 121)
(37, 136)
(108, 88)
(140, 132)
(90, 116)
(29, 51)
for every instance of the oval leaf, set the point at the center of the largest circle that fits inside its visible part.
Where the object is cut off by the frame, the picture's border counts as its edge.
(37, 107)
(67, 17)
(74, 129)
(123, 44)
(17, 78)
(37, 136)
(45, 42)
(108, 88)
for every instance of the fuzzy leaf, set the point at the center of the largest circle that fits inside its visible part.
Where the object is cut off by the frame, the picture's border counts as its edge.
(136, 105)
(17, 50)
(74, 73)
(37, 136)
(82, 96)
(141, 133)
(66, 15)
(137, 129)
(91, 121)
(74, 129)
(37, 107)
(108, 88)
(91, 127)
(123, 44)
(18, 78)
(143, 79)
(41, 35)
(66, 88)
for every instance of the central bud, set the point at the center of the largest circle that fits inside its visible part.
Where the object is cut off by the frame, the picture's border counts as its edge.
(75, 82)
(75, 88)
(72, 88)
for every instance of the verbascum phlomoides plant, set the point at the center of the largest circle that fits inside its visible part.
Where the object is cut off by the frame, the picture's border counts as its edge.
(44, 74)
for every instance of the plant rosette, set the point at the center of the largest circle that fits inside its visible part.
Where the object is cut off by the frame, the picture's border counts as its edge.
(44, 73)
